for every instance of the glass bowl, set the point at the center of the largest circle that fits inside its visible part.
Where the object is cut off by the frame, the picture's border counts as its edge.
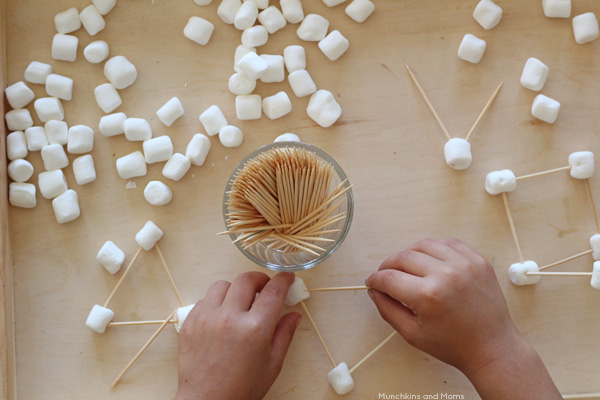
(278, 260)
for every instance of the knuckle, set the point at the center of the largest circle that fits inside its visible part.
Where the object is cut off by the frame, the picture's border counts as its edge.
(386, 278)
(273, 291)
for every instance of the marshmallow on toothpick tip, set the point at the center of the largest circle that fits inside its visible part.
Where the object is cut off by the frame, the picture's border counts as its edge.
(107, 97)
(255, 36)
(92, 20)
(457, 152)
(120, 72)
(297, 293)
(197, 149)
(56, 132)
(595, 245)
(360, 10)
(132, 165)
(334, 45)
(544, 108)
(595, 282)
(313, 28)
(111, 257)
(64, 47)
(20, 170)
(301, 83)
(471, 48)
(137, 129)
(148, 235)
(66, 207)
(582, 164)
(323, 109)
(52, 183)
(67, 21)
(99, 318)
(272, 19)
(158, 149)
(275, 71)
(36, 138)
(287, 137)
(240, 84)
(16, 145)
(518, 273)
(49, 108)
(19, 95)
(340, 379)
(503, 181)
(59, 86)
(22, 195)
(585, 28)
(534, 74)
(198, 30)
(277, 106)
(113, 124)
(228, 9)
(557, 8)
(246, 16)
(80, 139)
(19, 120)
(104, 6)
(294, 58)
(292, 11)
(248, 107)
(231, 136)
(177, 166)
(96, 52)
(170, 111)
(488, 14)
(84, 170)
(213, 120)
(54, 157)
(181, 316)
(157, 193)
(37, 72)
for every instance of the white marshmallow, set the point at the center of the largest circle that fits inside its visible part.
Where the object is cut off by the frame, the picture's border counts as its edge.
(202, 2)
(294, 58)
(471, 48)
(19, 95)
(231, 136)
(296, 293)
(22, 195)
(213, 120)
(585, 28)
(246, 16)
(595, 282)
(334, 45)
(18, 120)
(56, 132)
(261, 4)
(323, 109)
(20, 170)
(132, 165)
(313, 28)
(534, 74)
(84, 170)
(177, 166)
(54, 157)
(277, 106)
(255, 36)
(92, 20)
(287, 137)
(557, 8)
(64, 47)
(113, 124)
(120, 72)
(595, 245)
(248, 107)
(582, 164)
(333, 3)
(198, 30)
(253, 66)
(67, 21)
(158, 149)
(183, 312)
(169, 112)
(457, 152)
(301, 83)
(517, 273)
(157, 193)
(545, 108)
(104, 6)
(111, 257)
(272, 19)
(49, 108)
(148, 235)
(240, 84)
(52, 183)
(360, 10)
(80, 139)
(38, 72)
(488, 14)
(228, 9)
(36, 138)
(59, 86)
(16, 145)
(107, 97)
(240, 52)
(197, 149)
(340, 379)
(98, 318)
(497, 182)
(275, 72)
(137, 129)
(96, 52)
(292, 11)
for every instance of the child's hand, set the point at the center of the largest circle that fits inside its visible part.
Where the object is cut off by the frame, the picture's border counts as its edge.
(232, 346)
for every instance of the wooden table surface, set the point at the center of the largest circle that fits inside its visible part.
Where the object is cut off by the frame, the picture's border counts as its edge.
(388, 144)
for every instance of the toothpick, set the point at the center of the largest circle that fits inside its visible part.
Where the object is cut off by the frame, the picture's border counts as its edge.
(387, 339)
(550, 171)
(487, 105)
(336, 289)
(110, 296)
(554, 264)
(132, 323)
(164, 264)
(312, 322)
(581, 396)
(558, 273)
(591, 197)
(512, 226)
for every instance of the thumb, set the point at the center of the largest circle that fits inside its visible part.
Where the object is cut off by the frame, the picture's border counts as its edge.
(282, 337)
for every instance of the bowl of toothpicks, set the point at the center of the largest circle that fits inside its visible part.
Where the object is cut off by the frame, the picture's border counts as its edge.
(288, 206)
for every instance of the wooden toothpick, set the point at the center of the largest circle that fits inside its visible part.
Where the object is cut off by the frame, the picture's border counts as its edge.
(335, 289)
(312, 322)
(591, 197)
(582, 396)
(558, 273)
(379, 346)
(550, 171)
(164, 264)
(132, 323)
(487, 105)
(554, 264)
(110, 296)
(512, 226)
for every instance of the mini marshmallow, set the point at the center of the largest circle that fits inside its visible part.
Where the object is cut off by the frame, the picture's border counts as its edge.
(248, 107)
(323, 109)
(340, 379)
(132, 165)
(54, 157)
(98, 318)
(177, 166)
(471, 48)
(202, 2)
(38, 72)
(64, 47)
(137, 129)
(183, 312)
(80, 139)
(292, 11)
(255, 36)
(104, 6)
(158, 149)
(557, 8)
(545, 108)
(96, 52)
(120, 72)
(275, 72)
(21, 195)
(595, 245)
(334, 45)
(84, 170)
(497, 182)
(67, 21)
(56, 132)
(253, 66)
(213, 120)
(240, 84)
(457, 152)
(36, 138)
(534, 74)
(52, 183)
(595, 282)
(360, 10)
(198, 30)
(333, 3)
(148, 235)
(157, 193)
(20, 170)
(582, 164)
(19, 95)
(228, 9)
(301, 83)
(107, 97)
(66, 207)
(585, 28)
(488, 14)
(287, 137)
(294, 58)
(16, 145)
(18, 120)
(113, 124)
(169, 112)
(92, 20)
(240, 52)
(313, 28)
(197, 149)
(517, 273)
(296, 293)
(272, 19)
(111, 257)
(59, 86)
(261, 4)
(277, 106)
(231, 136)
(246, 16)
(49, 108)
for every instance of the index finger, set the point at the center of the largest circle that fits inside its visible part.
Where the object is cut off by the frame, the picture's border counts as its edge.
(269, 302)
(412, 262)
(399, 285)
